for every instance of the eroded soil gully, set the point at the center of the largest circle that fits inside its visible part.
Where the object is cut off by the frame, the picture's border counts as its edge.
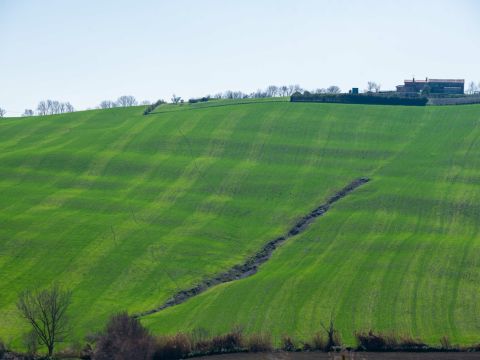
(251, 266)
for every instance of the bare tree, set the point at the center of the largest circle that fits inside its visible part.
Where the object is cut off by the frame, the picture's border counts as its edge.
(472, 88)
(333, 89)
(217, 96)
(294, 88)
(124, 338)
(283, 90)
(2, 112)
(146, 102)
(107, 104)
(126, 100)
(51, 107)
(45, 310)
(176, 99)
(28, 112)
(258, 94)
(272, 91)
(69, 107)
(373, 86)
(333, 338)
(42, 108)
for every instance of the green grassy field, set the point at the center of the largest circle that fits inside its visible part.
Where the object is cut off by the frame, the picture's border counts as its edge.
(126, 209)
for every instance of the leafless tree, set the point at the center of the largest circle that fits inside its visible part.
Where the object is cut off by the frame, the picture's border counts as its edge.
(52, 106)
(2, 112)
(320, 91)
(294, 88)
(217, 96)
(146, 102)
(42, 108)
(126, 100)
(333, 89)
(258, 94)
(69, 107)
(472, 88)
(333, 338)
(107, 104)
(283, 90)
(28, 112)
(176, 99)
(272, 91)
(124, 338)
(45, 311)
(373, 86)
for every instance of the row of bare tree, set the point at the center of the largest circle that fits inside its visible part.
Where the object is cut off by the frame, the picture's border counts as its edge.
(122, 101)
(50, 107)
(270, 91)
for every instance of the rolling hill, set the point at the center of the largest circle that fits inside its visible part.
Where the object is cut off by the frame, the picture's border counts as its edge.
(126, 210)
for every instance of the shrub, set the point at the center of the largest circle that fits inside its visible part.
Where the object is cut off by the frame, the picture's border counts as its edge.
(202, 99)
(233, 341)
(124, 338)
(30, 342)
(86, 353)
(375, 341)
(409, 343)
(3, 350)
(153, 106)
(333, 338)
(259, 343)
(172, 347)
(445, 343)
(288, 343)
(200, 340)
(318, 342)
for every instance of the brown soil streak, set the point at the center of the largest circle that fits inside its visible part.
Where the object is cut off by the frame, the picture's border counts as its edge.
(251, 266)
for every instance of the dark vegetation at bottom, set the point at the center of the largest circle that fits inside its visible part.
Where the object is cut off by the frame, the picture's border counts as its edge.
(124, 338)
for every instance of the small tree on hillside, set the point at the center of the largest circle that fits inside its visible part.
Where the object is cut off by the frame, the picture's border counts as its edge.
(2, 112)
(68, 107)
(373, 86)
(333, 89)
(107, 104)
(333, 338)
(126, 100)
(45, 311)
(28, 112)
(472, 88)
(272, 91)
(124, 338)
(176, 99)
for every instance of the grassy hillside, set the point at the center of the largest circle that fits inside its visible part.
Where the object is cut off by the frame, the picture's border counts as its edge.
(126, 209)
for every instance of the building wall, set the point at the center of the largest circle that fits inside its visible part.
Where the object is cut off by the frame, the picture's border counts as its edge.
(435, 87)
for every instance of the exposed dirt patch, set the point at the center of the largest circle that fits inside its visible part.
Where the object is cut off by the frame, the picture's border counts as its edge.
(252, 264)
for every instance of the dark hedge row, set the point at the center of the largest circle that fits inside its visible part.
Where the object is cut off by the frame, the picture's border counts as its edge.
(153, 106)
(202, 99)
(360, 99)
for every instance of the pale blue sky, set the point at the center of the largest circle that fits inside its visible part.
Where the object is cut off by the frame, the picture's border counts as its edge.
(87, 51)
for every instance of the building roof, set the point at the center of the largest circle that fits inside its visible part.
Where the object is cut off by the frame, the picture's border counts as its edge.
(458, 81)
(415, 81)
